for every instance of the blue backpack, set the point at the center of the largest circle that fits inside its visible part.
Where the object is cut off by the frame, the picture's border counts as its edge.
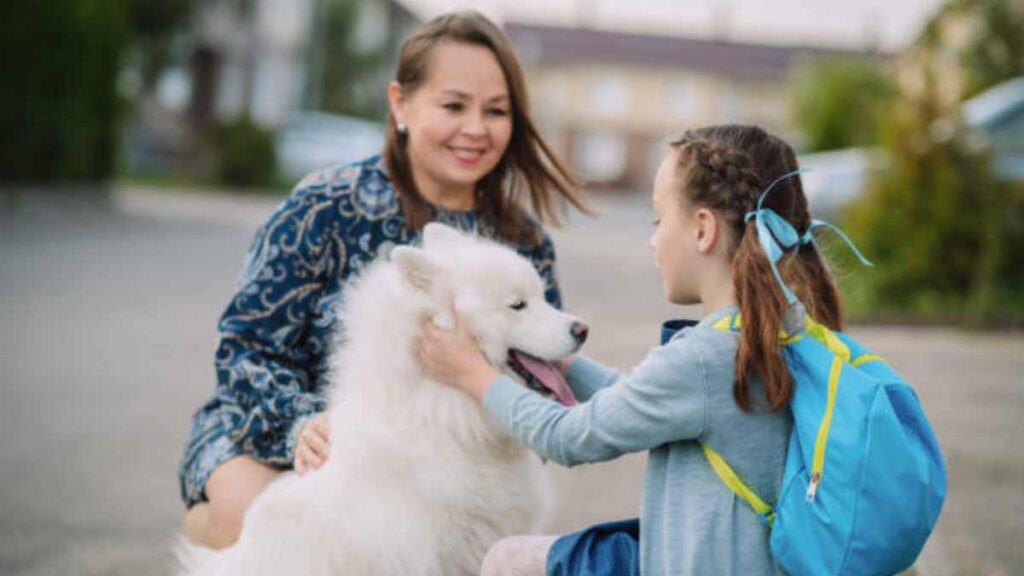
(864, 479)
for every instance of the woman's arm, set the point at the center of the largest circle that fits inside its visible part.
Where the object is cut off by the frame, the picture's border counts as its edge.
(543, 257)
(264, 368)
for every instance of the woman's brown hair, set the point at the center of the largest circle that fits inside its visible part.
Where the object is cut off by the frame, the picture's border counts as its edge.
(726, 168)
(527, 168)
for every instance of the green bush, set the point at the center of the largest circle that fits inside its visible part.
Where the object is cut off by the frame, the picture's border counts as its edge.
(941, 229)
(244, 153)
(945, 232)
(840, 102)
(60, 104)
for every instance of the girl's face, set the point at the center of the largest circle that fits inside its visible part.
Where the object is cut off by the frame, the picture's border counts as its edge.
(459, 119)
(674, 236)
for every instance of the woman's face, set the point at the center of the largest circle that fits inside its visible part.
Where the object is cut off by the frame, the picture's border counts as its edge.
(459, 119)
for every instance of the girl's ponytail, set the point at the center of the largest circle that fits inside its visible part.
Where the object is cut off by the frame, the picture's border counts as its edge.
(762, 309)
(726, 168)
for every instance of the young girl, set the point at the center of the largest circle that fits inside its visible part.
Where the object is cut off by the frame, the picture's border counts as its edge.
(726, 390)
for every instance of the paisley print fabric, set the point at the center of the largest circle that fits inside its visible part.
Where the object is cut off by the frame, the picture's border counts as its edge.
(276, 330)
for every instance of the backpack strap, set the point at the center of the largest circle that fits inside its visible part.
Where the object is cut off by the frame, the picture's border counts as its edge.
(733, 323)
(729, 478)
(864, 359)
(841, 355)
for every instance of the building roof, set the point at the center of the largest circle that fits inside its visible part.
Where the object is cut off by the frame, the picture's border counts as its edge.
(554, 44)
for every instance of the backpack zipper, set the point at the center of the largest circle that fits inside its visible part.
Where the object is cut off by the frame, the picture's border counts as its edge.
(818, 464)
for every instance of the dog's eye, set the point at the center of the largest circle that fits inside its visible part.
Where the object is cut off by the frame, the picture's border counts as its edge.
(518, 305)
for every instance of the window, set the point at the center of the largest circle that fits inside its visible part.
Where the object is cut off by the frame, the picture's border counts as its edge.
(600, 156)
(608, 94)
(731, 106)
(682, 100)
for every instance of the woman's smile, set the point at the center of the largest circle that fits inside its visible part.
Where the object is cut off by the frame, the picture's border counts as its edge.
(468, 156)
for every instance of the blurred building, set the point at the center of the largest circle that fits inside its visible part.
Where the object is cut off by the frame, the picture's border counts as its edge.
(261, 56)
(609, 100)
(262, 59)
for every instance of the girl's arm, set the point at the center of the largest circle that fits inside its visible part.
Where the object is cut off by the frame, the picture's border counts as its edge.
(584, 375)
(664, 399)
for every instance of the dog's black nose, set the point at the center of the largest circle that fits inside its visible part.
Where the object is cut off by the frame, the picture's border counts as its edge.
(579, 331)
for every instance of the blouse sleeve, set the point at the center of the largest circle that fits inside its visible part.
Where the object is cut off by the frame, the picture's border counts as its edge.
(263, 367)
(543, 257)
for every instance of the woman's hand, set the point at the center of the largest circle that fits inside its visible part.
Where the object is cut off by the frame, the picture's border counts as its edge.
(453, 357)
(313, 444)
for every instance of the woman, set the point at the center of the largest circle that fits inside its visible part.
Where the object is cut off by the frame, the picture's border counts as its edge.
(461, 149)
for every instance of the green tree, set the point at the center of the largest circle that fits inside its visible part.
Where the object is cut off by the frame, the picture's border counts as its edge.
(840, 102)
(995, 51)
(924, 222)
(153, 25)
(60, 106)
(341, 67)
(243, 153)
(937, 221)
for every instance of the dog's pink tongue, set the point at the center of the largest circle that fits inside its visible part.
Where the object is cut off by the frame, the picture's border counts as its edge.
(549, 376)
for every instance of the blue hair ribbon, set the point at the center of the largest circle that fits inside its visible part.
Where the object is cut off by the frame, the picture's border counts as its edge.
(776, 235)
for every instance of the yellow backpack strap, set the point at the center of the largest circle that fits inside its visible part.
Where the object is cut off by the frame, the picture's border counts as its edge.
(865, 358)
(727, 323)
(734, 322)
(729, 478)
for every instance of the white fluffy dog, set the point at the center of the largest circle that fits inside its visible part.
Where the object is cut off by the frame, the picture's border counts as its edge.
(420, 480)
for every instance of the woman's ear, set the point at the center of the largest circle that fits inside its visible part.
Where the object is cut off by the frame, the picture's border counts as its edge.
(395, 102)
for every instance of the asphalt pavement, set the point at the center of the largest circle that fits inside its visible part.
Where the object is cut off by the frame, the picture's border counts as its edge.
(107, 332)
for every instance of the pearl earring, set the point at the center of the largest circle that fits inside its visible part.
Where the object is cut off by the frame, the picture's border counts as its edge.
(402, 128)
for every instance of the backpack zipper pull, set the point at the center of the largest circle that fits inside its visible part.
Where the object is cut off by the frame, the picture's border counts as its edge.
(812, 486)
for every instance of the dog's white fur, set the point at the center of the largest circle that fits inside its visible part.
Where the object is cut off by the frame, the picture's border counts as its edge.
(420, 480)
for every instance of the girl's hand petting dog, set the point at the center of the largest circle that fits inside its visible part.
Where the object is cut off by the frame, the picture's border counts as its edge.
(564, 364)
(453, 357)
(313, 444)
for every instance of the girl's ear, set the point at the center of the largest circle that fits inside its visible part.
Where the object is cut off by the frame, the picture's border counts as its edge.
(708, 229)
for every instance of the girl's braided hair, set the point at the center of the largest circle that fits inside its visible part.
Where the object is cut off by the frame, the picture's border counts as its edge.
(726, 168)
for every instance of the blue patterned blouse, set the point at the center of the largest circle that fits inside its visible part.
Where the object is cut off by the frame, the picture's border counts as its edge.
(276, 329)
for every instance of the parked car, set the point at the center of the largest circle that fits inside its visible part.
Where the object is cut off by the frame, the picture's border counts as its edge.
(994, 117)
(310, 141)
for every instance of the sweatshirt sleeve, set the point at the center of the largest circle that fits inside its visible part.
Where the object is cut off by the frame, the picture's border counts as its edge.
(586, 376)
(663, 399)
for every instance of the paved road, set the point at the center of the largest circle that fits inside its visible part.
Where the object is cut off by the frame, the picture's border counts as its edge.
(107, 323)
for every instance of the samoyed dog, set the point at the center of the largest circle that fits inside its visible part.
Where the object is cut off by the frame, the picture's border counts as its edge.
(420, 480)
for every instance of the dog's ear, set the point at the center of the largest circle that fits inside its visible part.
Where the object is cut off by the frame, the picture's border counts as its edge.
(416, 267)
(437, 235)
